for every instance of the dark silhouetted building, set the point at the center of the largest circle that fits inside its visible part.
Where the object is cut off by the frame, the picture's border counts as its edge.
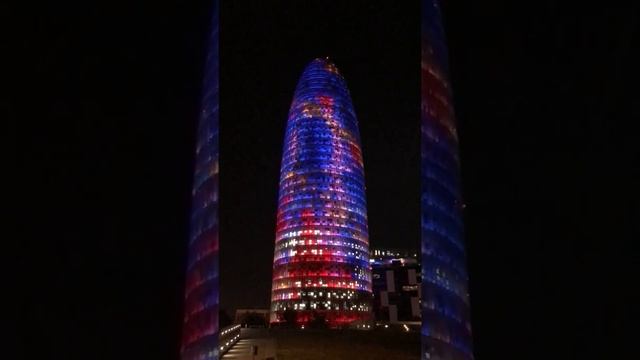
(252, 317)
(321, 262)
(396, 286)
(446, 328)
(200, 332)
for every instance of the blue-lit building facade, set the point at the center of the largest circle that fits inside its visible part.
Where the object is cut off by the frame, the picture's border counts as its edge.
(321, 260)
(200, 328)
(446, 328)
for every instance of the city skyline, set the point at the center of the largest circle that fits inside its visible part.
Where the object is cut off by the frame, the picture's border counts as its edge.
(110, 95)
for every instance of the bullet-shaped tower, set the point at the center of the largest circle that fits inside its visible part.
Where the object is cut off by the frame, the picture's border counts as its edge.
(200, 328)
(446, 327)
(321, 263)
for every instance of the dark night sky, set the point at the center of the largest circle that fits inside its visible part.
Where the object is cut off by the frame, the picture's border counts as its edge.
(110, 95)
(260, 64)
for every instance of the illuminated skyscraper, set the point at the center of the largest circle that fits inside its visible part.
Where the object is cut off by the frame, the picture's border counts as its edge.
(200, 332)
(446, 328)
(321, 261)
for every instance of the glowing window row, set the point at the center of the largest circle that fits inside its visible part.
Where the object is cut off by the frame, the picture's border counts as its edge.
(320, 259)
(315, 221)
(330, 204)
(293, 243)
(346, 238)
(312, 193)
(330, 253)
(338, 182)
(333, 196)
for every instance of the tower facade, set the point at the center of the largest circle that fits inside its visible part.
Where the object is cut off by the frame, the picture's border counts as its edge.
(200, 328)
(446, 328)
(321, 262)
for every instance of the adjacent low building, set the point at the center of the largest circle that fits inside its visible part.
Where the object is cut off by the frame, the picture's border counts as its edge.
(252, 317)
(396, 281)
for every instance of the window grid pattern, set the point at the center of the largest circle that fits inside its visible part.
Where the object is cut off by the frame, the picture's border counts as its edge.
(321, 259)
(446, 328)
(200, 326)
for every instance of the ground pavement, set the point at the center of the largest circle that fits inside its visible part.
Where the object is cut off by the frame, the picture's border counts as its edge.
(254, 344)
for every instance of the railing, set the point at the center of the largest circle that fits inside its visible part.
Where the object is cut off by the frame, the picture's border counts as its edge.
(228, 337)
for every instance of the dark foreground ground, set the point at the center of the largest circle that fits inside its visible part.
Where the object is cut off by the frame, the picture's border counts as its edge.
(346, 344)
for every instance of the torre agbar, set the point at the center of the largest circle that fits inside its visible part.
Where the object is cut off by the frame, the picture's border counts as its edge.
(446, 328)
(321, 262)
(200, 329)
